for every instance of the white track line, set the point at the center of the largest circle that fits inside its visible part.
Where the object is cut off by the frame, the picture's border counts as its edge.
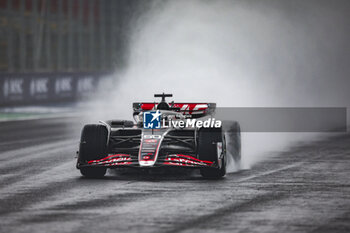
(34, 151)
(44, 116)
(268, 172)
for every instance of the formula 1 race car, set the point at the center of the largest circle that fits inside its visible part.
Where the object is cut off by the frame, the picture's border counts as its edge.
(162, 134)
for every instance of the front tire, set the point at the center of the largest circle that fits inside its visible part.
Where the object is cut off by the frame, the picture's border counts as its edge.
(93, 172)
(208, 139)
(93, 146)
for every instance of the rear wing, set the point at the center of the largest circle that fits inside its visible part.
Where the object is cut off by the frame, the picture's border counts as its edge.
(193, 110)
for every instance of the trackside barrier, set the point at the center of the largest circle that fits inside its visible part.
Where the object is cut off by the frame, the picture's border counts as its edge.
(44, 88)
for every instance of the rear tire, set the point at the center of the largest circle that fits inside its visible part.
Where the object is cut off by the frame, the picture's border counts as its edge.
(233, 139)
(207, 150)
(93, 146)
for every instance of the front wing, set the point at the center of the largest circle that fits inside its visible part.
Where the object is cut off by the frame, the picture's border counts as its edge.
(126, 160)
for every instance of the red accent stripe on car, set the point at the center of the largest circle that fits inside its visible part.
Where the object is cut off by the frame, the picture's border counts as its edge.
(109, 157)
(190, 157)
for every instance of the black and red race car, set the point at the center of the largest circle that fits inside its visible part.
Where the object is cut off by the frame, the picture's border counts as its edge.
(163, 134)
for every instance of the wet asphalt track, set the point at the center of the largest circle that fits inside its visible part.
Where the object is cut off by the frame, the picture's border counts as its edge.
(304, 190)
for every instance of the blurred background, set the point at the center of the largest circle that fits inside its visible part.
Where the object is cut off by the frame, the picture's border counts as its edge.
(55, 50)
(257, 53)
(63, 35)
